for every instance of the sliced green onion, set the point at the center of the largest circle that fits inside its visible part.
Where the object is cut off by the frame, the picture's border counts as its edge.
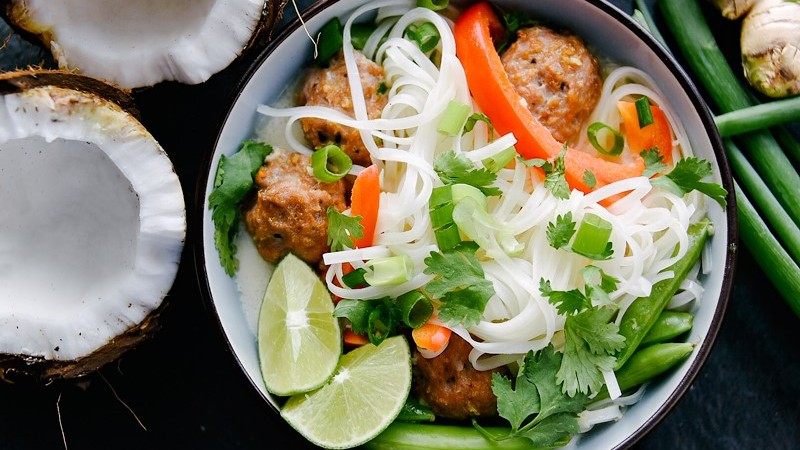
(390, 270)
(355, 278)
(460, 191)
(379, 323)
(415, 308)
(330, 41)
(453, 118)
(425, 35)
(434, 5)
(473, 220)
(359, 34)
(498, 161)
(591, 239)
(615, 149)
(441, 215)
(447, 237)
(330, 156)
(643, 112)
(441, 195)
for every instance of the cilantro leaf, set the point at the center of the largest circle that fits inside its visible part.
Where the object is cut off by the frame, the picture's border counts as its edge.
(453, 169)
(515, 404)
(653, 162)
(555, 173)
(473, 119)
(460, 284)
(687, 175)
(342, 229)
(553, 431)
(560, 232)
(590, 343)
(598, 285)
(566, 302)
(536, 407)
(589, 179)
(377, 318)
(232, 182)
(555, 179)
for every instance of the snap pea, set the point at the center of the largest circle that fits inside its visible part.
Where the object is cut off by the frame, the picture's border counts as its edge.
(408, 436)
(643, 312)
(650, 362)
(668, 326)
(647, 363)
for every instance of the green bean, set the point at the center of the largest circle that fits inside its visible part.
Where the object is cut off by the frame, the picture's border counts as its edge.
(408, 436)
(650, 362)
(668, 326)
(643, 312)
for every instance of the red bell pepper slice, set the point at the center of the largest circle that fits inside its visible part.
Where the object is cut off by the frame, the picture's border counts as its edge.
(656, 135)
(499, 100)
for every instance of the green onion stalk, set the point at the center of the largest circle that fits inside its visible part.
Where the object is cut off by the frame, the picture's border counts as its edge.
(769, 228)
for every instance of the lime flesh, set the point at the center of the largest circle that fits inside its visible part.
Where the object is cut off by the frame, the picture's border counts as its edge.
(365, 395)
(299, 340)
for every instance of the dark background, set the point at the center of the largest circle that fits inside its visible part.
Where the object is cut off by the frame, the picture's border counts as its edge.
(186, 388)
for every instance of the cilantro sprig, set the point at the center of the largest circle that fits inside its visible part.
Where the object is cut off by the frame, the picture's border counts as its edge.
(535, 405)
(342, 229)
(687, 175)
(375, 318)
(459, 284)
(232, 182)
(591, 339)
(555, 174)
(453, 169)
(653, 162)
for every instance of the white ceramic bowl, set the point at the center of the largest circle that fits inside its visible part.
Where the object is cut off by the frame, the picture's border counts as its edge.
(613, 34)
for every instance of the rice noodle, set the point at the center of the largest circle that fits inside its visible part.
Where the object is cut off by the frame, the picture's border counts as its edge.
(649, 225)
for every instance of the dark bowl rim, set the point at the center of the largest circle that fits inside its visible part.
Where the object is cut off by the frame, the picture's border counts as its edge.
(692, 93)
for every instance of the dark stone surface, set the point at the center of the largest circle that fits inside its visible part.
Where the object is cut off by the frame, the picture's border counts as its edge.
(186, 388)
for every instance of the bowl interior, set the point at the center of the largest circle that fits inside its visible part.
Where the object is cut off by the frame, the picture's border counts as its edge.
(612, 34)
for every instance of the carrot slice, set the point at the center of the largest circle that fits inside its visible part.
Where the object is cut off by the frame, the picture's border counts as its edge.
(656, 135)
(365, 201)
(431, 336)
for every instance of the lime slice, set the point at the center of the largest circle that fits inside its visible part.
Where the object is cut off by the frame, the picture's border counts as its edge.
(299, 340)
(366, 394)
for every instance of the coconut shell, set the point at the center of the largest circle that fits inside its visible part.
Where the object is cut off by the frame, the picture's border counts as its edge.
(18, 81)
(12, 10)
(27, 369)
(16, 368)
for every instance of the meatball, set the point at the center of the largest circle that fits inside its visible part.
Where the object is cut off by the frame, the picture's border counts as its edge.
(289, 210)
(329, 87)
(557, 76)
(451, 386)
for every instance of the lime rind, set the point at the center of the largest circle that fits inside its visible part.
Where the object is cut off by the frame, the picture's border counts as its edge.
(361, 400)
(299, 339)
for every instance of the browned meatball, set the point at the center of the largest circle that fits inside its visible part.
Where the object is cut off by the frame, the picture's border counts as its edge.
(558, 77)
(329, 87)
(451, 386)
(289, 211)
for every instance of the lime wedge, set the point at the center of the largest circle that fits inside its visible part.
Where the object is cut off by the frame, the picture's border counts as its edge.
(363, 397)
(299, 340)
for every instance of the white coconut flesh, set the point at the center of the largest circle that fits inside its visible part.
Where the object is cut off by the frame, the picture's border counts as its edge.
(92, 226)
(136, 43)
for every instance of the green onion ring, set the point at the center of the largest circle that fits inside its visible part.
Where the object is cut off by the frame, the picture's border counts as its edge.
(330, 155)
(619, 142)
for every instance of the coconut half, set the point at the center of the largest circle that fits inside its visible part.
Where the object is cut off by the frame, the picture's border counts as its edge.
(92, 229)
(136, 43)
